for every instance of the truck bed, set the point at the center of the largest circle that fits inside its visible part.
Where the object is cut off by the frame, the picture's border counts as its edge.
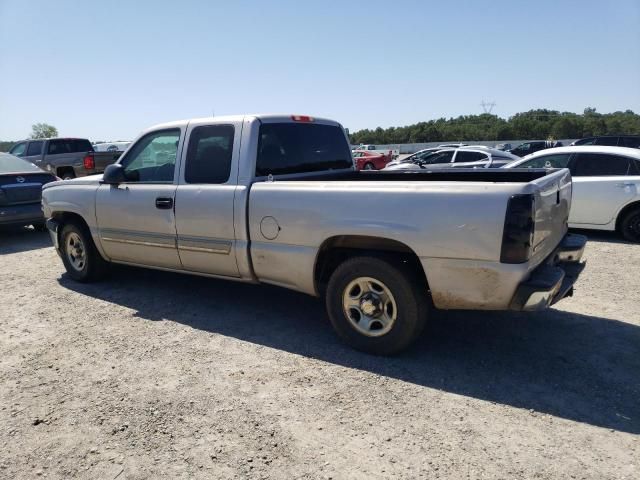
(517, 175)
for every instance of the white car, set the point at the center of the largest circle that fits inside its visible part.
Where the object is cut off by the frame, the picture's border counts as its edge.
(463, 157)
(606, 185)
(111, 146)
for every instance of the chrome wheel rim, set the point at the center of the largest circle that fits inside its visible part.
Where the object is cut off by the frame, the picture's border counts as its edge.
(369, 306)
(368, 166)
(76, 253)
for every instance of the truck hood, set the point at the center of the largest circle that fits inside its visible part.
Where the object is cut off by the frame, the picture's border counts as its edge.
(88, 180)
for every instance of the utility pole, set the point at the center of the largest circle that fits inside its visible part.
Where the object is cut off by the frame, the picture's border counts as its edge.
(487, 107)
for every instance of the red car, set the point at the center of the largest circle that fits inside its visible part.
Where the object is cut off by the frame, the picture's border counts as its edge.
(366, 160)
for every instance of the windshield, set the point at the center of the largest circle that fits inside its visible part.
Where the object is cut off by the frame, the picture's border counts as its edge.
(11, 164)
(287, 148)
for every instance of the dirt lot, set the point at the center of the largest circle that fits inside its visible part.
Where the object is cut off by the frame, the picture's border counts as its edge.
(151, 375)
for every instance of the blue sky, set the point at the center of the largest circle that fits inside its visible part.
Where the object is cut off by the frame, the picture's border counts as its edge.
(108, 69)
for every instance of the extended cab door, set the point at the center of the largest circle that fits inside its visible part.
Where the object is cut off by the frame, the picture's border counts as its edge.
(136, 221)
(205, 198)
(602, 184)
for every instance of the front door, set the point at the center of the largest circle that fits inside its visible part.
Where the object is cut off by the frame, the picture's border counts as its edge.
(136, 219)
(205, 197)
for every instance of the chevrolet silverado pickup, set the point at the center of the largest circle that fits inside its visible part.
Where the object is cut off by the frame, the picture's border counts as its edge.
(276, 199)
(65, 157)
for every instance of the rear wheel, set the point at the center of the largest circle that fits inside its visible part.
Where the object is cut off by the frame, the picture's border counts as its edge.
(630, 225)
(375, 305)
(79, 254)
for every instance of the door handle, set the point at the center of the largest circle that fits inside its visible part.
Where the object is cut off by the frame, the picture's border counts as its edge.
(164, 203)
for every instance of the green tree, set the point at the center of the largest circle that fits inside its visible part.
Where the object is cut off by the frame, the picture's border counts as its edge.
(43, 130)
(534, 124)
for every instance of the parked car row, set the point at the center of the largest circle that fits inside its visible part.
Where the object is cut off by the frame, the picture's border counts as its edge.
(462, 157)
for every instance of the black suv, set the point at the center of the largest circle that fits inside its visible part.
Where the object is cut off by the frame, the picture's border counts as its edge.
(632, 141)
(530, 147)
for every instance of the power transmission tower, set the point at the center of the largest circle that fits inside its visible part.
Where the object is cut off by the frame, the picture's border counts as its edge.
(487, 106)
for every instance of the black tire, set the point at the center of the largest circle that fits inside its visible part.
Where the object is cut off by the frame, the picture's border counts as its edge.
(410, 301)
(368, 166)
(630, 225)
(94, 267)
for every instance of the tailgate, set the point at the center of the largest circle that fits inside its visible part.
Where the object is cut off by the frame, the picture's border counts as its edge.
(552, 204)
(104, 159)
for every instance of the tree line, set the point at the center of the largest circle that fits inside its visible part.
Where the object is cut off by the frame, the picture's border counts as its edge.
(38, 130)
(538, 124)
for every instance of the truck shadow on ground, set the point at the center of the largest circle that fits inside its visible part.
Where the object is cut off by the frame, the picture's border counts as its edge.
(577, 367)
(22, 239)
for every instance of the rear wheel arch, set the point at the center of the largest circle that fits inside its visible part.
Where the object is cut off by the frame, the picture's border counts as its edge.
(336, 250)
(628, 222)
(624, 211)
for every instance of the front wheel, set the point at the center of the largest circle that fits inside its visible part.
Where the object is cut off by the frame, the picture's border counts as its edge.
(79, 254)
(369, 166)
(376, 306)
(630, 226)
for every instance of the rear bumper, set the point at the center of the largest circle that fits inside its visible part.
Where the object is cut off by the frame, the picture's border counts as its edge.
(53, 226)
(21, 214)
(553, 280)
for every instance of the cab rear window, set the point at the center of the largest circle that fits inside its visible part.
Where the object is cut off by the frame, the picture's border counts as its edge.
(286, 148)
(70, 145)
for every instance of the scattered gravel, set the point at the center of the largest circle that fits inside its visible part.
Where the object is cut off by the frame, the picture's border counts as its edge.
(158, 375)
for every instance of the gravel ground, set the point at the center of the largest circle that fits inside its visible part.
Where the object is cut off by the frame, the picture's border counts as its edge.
(152, 374)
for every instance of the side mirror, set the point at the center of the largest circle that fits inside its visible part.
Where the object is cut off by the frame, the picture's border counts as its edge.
(114, 174)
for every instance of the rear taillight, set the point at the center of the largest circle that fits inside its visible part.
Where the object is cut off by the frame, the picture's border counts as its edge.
(519, 227)
(89, 162)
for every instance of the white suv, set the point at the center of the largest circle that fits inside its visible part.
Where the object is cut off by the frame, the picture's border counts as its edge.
(606, 185)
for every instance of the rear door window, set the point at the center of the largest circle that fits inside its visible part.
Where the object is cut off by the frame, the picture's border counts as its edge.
(69, 145)
(464, 156)
(35, 148)
(600, 164)
(608, 141)
(286, 148)
(209, 155)
(558, 160)
(632, 142)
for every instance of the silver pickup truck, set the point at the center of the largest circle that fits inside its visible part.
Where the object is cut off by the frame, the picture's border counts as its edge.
(275, 199)
(66, 158)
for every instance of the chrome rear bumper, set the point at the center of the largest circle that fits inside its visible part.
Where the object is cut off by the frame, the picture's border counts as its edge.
(553, 280)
